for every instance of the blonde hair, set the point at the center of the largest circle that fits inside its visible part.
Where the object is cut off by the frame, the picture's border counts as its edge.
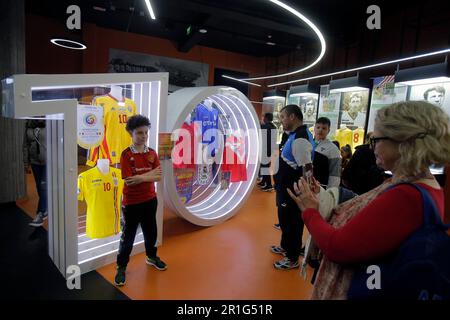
(423, 132)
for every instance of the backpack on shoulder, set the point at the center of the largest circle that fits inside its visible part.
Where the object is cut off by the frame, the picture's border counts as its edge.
(418, 270)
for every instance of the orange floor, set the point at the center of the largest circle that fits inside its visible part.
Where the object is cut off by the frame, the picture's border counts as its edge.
(228, 261)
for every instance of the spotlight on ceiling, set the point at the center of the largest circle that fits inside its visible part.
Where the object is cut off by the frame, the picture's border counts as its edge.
(202, 30)
(69, 44)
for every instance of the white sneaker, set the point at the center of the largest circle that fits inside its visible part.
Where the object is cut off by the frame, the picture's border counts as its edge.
(38, 221)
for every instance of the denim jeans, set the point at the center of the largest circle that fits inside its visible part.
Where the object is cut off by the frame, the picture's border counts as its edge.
(40, 177)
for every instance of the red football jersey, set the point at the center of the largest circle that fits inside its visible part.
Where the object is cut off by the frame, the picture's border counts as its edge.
(178, 161)
(234, 159)
(134, 163)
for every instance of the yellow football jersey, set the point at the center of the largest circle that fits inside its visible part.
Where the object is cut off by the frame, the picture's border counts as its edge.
(358, 138)
(344, 136)
(117, 139)
(102, 193)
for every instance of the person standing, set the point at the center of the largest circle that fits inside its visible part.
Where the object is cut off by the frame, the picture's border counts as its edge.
(361, 174)
(408, 137)
(327, 160)
(35, 155)
(268, 127)
(140, 169)
(294, 162)
(346, 154)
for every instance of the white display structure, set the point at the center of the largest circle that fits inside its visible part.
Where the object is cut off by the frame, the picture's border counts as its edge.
(66, 246)
(219, 205)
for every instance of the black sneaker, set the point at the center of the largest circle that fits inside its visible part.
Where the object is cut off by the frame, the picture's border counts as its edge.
(38, 221)
(278, 250)
(120, 278)
(156, 262)
(267, 188)
(277, 226)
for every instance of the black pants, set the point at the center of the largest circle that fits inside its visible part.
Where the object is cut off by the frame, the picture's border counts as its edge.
(266, 179)
(135, 214)
(291, 225)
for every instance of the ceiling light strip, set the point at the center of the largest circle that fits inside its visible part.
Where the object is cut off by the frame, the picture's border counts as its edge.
(150, 9)
(365, 67)
(316, 30)
(236, 79)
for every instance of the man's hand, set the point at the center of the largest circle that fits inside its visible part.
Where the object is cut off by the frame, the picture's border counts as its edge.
(155, 175)
(134, 180)
(151, 176)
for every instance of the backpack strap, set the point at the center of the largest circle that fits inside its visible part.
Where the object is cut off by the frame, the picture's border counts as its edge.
(430, 211)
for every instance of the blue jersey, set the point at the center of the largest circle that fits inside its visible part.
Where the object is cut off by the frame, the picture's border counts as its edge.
(209, 124)
(287, 154)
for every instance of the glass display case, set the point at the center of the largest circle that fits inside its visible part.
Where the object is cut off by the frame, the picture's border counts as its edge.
(86, 116)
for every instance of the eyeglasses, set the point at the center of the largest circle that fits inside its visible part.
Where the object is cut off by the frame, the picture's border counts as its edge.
(373, 140)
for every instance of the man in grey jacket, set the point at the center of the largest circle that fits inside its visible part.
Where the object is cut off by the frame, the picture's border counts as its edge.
(327, 159)
(34, 154)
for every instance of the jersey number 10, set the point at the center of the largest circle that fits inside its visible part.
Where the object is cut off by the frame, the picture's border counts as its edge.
(123, 118)
(106, 186)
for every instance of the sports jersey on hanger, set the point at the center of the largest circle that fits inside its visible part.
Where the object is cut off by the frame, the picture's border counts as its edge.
(178, 159)
(344, 136)
(358, 138)
(209, 119)
(234, 160)
(117, 139)
(102, 193)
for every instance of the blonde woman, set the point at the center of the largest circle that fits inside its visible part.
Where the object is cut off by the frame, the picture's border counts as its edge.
(408, 138)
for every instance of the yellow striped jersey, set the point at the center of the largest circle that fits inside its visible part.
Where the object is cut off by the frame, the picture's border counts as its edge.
(117, 139)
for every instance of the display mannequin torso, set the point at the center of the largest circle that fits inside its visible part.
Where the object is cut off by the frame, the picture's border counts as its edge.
(208, 104)
(117, 93)
(103, 165)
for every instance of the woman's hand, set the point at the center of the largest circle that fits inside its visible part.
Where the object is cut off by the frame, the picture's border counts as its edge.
(304, 197)
(315, 185)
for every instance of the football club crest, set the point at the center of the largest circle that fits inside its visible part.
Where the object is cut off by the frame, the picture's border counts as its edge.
(203, 174)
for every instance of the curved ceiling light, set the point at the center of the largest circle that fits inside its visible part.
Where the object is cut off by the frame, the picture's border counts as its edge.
(424, 55)
(72, 44)
(312, 26)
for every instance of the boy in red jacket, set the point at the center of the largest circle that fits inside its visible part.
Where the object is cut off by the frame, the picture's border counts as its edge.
(140, 169)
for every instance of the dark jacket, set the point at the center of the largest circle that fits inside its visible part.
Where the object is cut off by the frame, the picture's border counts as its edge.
(288, 170)
(271, 140)
(35, 143)
(361, 173)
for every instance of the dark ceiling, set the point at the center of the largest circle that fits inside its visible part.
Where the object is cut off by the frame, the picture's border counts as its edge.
(244, 26)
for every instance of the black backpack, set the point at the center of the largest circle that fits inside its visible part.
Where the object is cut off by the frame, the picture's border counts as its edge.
(419, 269)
